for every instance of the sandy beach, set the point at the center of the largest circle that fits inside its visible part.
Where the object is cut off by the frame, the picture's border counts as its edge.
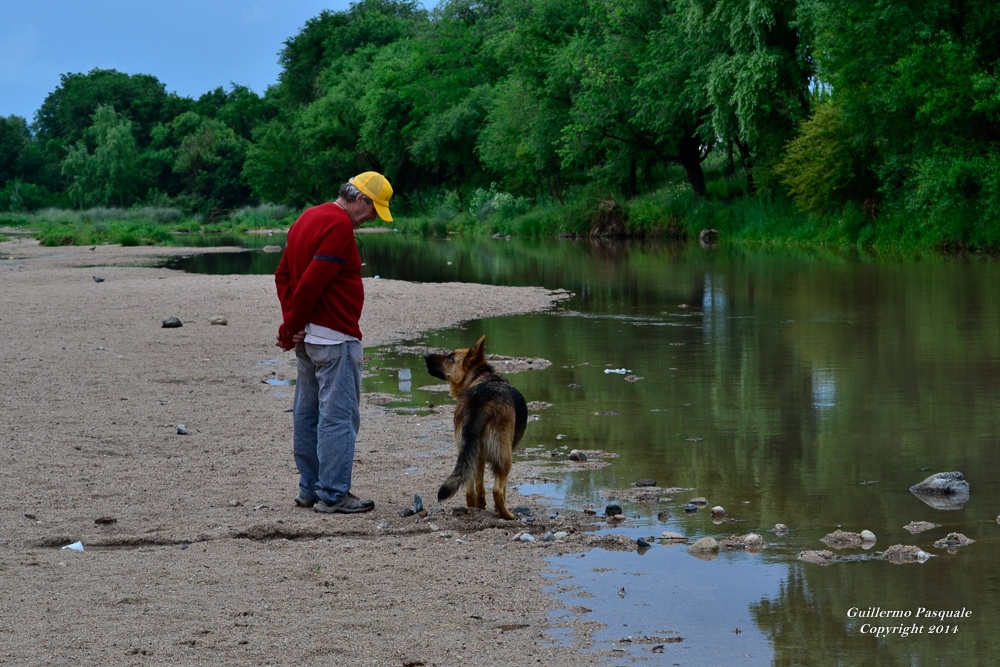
(194, 553)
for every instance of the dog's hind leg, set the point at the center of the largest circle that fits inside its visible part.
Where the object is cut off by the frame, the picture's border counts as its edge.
(500, 474)
(475, 492)
(480, 485)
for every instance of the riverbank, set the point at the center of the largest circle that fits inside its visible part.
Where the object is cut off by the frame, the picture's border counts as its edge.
(193, 550)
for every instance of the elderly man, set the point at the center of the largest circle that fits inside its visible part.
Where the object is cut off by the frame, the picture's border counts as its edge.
(321, 294)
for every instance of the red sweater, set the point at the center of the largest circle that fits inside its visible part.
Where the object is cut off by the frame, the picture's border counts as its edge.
(319, 276)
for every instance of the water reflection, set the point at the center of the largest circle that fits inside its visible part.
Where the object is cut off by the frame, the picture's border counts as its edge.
(803, 388)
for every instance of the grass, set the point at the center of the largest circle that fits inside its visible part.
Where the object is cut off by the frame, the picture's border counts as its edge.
(671, 212)
(146, 225)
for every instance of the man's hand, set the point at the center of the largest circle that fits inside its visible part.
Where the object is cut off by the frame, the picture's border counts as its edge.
(287, 340)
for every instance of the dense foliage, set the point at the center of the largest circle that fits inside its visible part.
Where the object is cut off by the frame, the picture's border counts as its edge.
(876, 120)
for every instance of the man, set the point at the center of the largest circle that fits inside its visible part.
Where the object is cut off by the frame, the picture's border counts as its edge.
(321, 294)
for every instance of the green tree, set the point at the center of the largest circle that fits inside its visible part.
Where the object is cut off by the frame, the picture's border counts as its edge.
(108, 175)
(917, 85)
(757, 76)
(315, 141)
(439, 84)
(520, 139)
(635, 109)
(273, 166)
(307, 56)
(208, 160)
(14, 141)
(240, 108)
(67, 112)
(821, 169)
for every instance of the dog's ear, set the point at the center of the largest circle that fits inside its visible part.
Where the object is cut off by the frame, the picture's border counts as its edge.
(476, 356)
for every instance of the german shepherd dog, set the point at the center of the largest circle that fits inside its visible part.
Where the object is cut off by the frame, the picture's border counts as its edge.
(490, 418)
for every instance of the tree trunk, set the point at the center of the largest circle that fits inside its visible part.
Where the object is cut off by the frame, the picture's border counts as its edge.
(690, 159)
(632, 187)
(747, 166)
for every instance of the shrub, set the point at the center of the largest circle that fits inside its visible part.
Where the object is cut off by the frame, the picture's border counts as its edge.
(263, 215)
(821, 169)
(17, 196)
(487, 203)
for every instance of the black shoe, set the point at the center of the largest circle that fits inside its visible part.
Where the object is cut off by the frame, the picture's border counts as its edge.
(350, 504)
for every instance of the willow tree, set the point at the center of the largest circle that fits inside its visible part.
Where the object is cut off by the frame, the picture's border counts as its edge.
(108, 174)
(757, 75)
(635, 108)
(520, 139)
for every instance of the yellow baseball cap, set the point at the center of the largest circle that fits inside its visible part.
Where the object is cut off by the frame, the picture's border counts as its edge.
(376, 187)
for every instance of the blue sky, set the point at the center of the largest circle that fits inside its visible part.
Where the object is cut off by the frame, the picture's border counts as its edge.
(191, 46)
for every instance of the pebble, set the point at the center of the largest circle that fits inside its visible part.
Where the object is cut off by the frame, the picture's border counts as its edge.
(577, 455)
(525, 537)
(690, 507)
(841, 539)
(704, 545)
(671, 536)
(953, 540)
(868, 536)
(219, 320)
(642, 543)
(780, 529)
(182, 429)
(718, 510)
(905, 553)
(172, 323)
(920, 526)
(613, 510)
(418, 504)
(645, 482)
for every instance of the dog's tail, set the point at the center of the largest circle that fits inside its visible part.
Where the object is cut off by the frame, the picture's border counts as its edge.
(465, 469)
(468, 457)
(450, 486)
